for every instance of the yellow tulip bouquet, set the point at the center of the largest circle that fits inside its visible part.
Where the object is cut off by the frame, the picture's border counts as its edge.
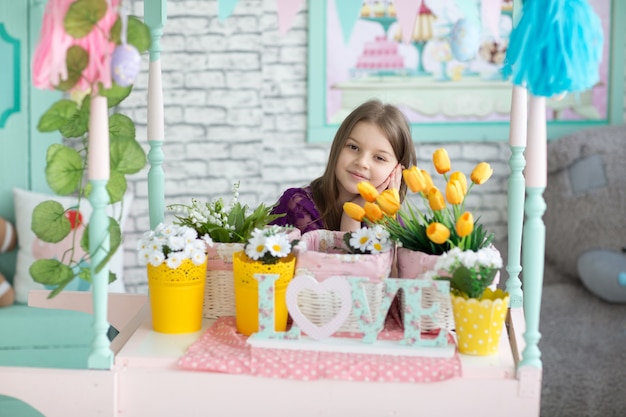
(443, 226)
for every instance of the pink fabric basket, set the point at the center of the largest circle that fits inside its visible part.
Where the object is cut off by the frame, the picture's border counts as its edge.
(322, 253)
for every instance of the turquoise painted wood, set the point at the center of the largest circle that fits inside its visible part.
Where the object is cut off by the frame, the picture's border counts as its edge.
(515, 214)
(22, 147)
(155, 12)
(319, 130)
(517, 190)
(101, 356)
(534, 244)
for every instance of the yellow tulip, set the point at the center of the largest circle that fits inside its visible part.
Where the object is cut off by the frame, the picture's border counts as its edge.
(428, 179)
(414, 179)
(373, 212)
(454, 192)
(367, 191)
(481, 173)
(437, 233)
(441, 160)
(435, 199)
(389, 201)
(460, 177)
(465, 224)
(353, 210)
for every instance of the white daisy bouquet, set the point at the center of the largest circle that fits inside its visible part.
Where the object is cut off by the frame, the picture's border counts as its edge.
(469, 272)
(172, 244)
(368, 240)
(269, 245)
(231, 222)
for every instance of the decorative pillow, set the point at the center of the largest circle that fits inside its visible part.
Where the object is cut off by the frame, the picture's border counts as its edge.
(30, 248)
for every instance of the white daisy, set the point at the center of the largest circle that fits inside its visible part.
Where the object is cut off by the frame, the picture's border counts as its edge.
(278, 245)
(256, 248)
(360, 239)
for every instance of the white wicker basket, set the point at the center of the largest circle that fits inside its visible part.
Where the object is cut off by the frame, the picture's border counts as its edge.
(219, 291)
(319, 255)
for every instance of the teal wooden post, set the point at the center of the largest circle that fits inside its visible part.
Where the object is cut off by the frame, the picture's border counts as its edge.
(517, 141)
(101, 356)
(155, 12)
(534, 231)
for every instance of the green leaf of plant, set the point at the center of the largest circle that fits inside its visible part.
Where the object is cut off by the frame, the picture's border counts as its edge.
(137, 33)
(116, 186)
(115, 239)
(127, 156)
(49, 222)
(64, 170)
(76, 127)
(51, 272)
(116, 94)
(121, 127)
(76, 60)
(57, 116)
(82, 16)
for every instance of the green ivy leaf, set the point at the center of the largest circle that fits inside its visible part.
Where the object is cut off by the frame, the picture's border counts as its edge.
(82, 16)
(116, 94)
(121, 127)
(127, 156)
(137, 33)
(116, 187)
(76, 60)
(57, 116)
(115, 239)
(64, 169)
(51, 272)
(78, 125)
(49, 222)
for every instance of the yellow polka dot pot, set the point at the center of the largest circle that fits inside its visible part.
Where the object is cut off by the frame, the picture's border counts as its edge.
(479, 322)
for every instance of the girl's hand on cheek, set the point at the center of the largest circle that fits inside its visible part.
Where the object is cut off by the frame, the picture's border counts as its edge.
(393, 180)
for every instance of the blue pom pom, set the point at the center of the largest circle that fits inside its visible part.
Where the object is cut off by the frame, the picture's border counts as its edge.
(555, 48)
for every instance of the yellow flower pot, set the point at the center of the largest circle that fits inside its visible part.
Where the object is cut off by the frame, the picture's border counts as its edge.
(247, 291)
(479, 323)
(176, 297)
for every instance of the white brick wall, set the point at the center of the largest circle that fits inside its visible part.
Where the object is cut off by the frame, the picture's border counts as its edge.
(235, 109)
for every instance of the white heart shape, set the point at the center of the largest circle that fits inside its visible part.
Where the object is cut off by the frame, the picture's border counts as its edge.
(338, 285)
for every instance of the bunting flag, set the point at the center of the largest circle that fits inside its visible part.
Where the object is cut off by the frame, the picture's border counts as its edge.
(225, 8)
(490, 12)
(406, 11)
(287, 11)
(348, 12)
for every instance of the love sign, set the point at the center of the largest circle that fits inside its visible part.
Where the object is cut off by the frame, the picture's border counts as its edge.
(353, 299)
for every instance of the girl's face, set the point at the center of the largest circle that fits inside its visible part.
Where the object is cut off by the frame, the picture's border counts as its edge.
(366, 156)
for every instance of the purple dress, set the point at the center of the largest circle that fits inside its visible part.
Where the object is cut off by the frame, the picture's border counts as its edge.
(299, 209)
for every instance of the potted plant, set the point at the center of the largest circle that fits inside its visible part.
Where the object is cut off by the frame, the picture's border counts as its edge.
(175, 258)
(268, 251)
(101, 47)
(424, 236)
(229, 225)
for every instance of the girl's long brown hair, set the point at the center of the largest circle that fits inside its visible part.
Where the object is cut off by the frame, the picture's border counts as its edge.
(396, 128)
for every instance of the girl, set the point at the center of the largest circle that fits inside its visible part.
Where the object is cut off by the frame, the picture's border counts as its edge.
(372, 144)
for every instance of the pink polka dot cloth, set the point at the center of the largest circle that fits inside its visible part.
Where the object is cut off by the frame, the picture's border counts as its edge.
(222, 349)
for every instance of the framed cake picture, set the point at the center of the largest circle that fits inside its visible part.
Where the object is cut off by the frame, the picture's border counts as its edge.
(446, 73)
